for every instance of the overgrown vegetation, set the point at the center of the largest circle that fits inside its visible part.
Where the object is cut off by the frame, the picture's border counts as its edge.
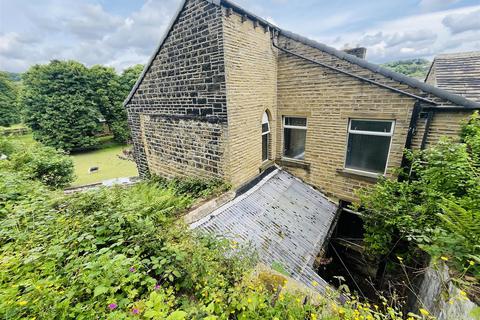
(436, 207)
(122, 253)
(65, 102)
(9, 109)
(416, 68)
(37, 162)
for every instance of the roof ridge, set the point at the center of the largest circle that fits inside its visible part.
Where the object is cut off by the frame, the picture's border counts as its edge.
(456, 99)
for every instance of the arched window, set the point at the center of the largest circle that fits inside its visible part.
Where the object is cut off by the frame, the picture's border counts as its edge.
(265, 136)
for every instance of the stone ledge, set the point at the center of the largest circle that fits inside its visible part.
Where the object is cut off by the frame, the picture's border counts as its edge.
(205, 208)
(370, 177)
(294, 163)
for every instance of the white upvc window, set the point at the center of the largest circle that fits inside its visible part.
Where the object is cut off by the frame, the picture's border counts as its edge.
(294, 137)
(265, 137)
(368, 145)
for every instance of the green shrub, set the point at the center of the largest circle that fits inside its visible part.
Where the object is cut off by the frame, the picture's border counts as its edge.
(120, 253)
(51, 167)
(120, 131)
(437, 209)
(195, 187)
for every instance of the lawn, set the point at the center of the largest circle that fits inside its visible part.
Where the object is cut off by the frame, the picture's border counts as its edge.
(107, 160)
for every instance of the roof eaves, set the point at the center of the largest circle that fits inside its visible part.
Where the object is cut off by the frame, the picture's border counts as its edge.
(454, 98)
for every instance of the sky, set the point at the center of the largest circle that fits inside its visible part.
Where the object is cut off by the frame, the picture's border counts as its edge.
(121, 33)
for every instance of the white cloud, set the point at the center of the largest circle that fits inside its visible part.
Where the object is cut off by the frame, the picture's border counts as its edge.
(432, 5)
(82, 31)
(462, 22)
(422, 35)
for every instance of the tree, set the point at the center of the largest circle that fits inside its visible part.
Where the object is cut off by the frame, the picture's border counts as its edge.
(60, 105)
(416, 68)
(126, 82)
(9, 111)
(110, 92)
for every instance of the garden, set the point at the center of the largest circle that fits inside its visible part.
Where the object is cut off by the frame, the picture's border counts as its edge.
(122, 253)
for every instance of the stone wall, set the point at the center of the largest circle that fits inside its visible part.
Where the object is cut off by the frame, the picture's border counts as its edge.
(178, 146)
(251, 75)
(186, 81)
(213, 57)
(444, 124)
(438, 294)
(329, 99)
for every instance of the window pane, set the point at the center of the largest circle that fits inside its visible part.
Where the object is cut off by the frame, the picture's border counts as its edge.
(377, 126)
(265, 127)
(367, 153)
(294, 143)
(265, 147)
(300, 122)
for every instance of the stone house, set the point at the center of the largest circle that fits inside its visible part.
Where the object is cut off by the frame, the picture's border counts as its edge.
(227, 94)
(458, 73)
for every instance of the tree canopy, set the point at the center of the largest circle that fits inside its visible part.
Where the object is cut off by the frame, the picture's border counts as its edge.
(416, 68)
(9, 110)
(65, 103)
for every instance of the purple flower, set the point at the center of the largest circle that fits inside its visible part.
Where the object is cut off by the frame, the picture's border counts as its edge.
(157, 287)
(112, 306)
(132, 269)
(135, 311)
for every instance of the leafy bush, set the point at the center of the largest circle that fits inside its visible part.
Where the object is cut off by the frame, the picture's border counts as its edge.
(193, 186)
(437, 209)
(120, 253)
(9, 111)
(50, 166)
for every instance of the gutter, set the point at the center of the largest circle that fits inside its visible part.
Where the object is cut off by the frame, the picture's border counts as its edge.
(353, 75)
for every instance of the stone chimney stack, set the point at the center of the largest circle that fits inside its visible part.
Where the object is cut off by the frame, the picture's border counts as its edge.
(359, 52)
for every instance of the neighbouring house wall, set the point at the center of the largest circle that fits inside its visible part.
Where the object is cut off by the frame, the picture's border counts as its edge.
(431, 77)
(444, 124)
(251, 76)
(178, 114)
(329, 99)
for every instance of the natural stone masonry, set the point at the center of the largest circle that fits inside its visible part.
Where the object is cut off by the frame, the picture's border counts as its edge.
(251, 74)
(175, 146)
(198, 109)
(186, 81)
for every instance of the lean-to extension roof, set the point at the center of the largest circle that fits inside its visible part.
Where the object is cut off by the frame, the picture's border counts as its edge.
(455, 99)
(458, 73)
(286, 220)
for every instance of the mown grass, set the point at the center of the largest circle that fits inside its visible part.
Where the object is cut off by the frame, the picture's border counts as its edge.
(105, 158)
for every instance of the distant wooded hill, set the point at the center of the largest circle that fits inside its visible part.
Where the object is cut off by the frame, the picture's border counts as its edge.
(416, 68)
(14, 76)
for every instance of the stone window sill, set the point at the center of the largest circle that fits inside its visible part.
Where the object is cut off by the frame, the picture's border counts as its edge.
(293, 163)
(266, 164)
(372, 177)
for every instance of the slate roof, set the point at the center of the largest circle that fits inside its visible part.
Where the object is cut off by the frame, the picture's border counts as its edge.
(458, 73)
(455, 99)
(285, 219)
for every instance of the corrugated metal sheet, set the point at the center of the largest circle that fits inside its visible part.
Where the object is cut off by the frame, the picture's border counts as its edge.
(284, 218)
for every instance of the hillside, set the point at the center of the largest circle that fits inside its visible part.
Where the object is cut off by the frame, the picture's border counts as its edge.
(416, 68)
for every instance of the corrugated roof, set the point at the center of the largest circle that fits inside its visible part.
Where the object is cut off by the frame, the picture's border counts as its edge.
(285, 219)
(458, 73)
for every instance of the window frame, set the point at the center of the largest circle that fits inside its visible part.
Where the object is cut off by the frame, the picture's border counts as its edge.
(268, 138)
(369, 133)
(286, 126)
